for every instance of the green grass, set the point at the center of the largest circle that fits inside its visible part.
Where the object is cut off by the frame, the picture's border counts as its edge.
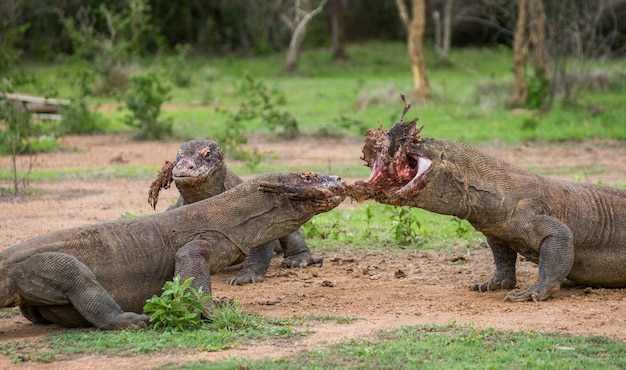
(448, 347)
(422, 346)
(6, 313)
(468, 104)
(371, 227)
(229, 328)
(85, 173)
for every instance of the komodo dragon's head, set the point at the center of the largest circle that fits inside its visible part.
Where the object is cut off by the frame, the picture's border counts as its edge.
(198, 172)
(305, 190)
(399, 162)
(199, 164)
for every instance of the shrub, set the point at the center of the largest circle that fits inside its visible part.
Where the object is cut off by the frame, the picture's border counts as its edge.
(144, 101)
(77, 117)
(179, 307)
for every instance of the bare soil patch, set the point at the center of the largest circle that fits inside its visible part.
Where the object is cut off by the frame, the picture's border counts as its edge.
(431, 288)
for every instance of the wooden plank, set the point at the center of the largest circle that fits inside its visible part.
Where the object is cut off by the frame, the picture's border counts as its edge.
(36, 104)
(37, 100)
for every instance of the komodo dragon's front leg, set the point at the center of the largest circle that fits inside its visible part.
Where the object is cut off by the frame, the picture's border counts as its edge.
(61, 289)
(199, 257)
(296, 252)
(504, 276)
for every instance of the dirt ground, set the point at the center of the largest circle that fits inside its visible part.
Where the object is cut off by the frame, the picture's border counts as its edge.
(383, 289)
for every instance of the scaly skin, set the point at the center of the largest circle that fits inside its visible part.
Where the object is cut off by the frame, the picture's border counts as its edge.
(102, 274)
(200, 172)
(571, 230)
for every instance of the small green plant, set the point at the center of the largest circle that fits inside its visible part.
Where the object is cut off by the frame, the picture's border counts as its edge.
(12, 349)
(259, 103)
(177, 67)
(351, 124)
(228, 315)
(16, 132)
(6, 313)
(77, 117)
(369, 215)
(404, 225)
(463, 228)
(179, 307)
(530, 124)
(144, 101)
(538, 92)
(333, 230)
(311, 229)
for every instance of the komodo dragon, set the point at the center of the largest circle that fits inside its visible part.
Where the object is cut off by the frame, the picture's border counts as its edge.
(200, 172)
(102, 274)
(572, 230)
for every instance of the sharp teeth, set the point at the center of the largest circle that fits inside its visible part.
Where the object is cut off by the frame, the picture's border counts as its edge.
(423, 164)
(375, 171)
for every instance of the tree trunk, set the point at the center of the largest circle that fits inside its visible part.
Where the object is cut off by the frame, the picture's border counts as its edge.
(297, 38)
(520, 50)
(537, 37)
(415, 27)
(447, 27)
(336, 30)
(438, 35)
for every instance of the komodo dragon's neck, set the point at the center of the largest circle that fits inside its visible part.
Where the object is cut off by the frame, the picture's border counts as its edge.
(244, 215)
(468, 184)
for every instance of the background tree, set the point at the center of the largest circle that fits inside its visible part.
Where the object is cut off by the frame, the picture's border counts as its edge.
(580, 36)
(415, 27)
(336, 30)
(298, 24)
(520, 51)
(443, 30)
(530, 34)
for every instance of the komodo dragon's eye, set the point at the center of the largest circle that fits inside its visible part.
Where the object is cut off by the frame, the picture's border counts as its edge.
(307, 176)
(205, 152)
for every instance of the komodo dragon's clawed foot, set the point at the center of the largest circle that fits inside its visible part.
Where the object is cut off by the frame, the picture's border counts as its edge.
(126, 320)
(493, 285)
(301, 260)
(533, 293)
(246, 277)
(516, 296)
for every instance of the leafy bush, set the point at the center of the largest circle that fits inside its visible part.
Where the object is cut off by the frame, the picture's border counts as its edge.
(129, 34)
(259, 102)
(11, 34)
(144, 101)
(404, 225)
(16, 128)
(539, 96)
(77, 117)
(179, 307)
(178, 70)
